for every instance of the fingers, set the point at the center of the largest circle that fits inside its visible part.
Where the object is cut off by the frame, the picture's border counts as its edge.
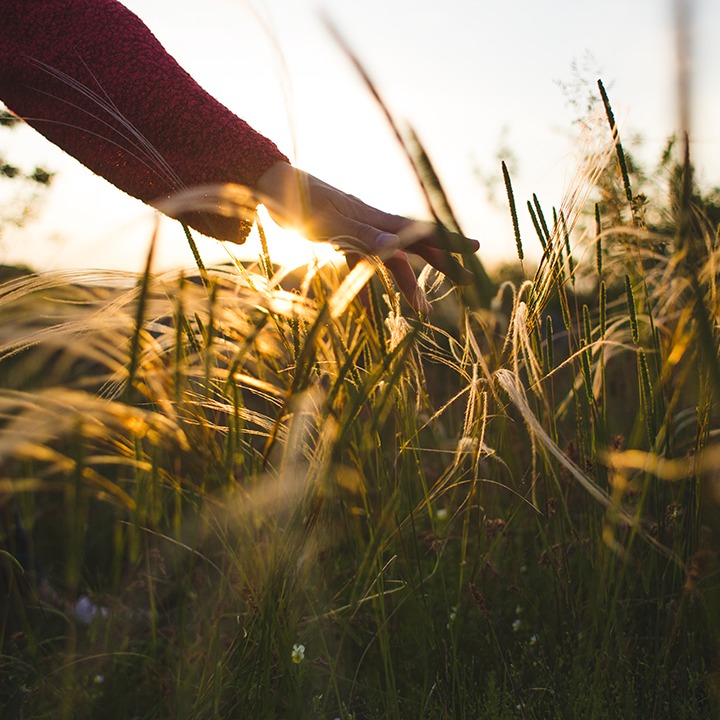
(426, 245)
(435, 236)
(383, 244)
(364, 238)
(409, 231)
(405, 279)
(445, 263)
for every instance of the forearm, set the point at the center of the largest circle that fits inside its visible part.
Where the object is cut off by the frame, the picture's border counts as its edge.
(90, 76)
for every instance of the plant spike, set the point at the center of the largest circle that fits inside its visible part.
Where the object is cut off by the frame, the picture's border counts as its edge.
(566, 235)
(265, 261)
(598, 241)
(648, 396)
(513, 211)
(549, 342)
(618, 145)
(536, 224)
(541, 217)
(587, 373)
(587, 327)
(135, 342)
(633, 310)
(196, 254)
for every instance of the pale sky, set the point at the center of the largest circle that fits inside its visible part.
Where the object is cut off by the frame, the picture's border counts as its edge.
(470, 76)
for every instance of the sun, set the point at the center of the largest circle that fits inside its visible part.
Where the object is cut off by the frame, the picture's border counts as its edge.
(288, 248)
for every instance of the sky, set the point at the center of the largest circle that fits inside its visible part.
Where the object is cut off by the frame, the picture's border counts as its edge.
(478, 81)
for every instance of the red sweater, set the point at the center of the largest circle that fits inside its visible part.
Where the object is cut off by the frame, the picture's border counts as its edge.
(91, 77)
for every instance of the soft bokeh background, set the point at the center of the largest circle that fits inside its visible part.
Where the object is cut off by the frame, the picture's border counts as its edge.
(478, 81)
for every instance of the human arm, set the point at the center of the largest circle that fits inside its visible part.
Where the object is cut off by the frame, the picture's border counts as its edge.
(90, 76)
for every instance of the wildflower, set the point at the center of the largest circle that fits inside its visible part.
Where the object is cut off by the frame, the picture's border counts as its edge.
(533, 639)
(516, 624)
(298, 653)
(86, 610)
(441, 514)
(453, 614)
(467, 444)
(398, 327)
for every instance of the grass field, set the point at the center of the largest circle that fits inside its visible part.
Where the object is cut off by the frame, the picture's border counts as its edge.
(225, 499)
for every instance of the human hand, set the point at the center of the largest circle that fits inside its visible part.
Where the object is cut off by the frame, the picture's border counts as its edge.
(321, 212)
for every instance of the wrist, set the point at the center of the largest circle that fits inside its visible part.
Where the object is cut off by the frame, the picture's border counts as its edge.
(276, 182)
(284, 191)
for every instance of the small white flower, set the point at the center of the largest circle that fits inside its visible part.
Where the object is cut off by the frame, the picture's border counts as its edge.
(298, 653)
(518, 609)
(516, 624)
(99, 679)
(441, 514)
(453, 614)
(467, 444)
(398, 325)
(533, 639)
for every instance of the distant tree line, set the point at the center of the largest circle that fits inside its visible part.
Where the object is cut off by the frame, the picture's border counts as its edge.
(39, 175)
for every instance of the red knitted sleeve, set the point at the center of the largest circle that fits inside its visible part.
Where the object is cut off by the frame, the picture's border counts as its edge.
(91, 77)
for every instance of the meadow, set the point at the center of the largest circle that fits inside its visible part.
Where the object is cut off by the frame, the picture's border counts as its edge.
(235, 493)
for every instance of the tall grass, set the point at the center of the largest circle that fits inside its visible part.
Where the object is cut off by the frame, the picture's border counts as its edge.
(283, 502)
